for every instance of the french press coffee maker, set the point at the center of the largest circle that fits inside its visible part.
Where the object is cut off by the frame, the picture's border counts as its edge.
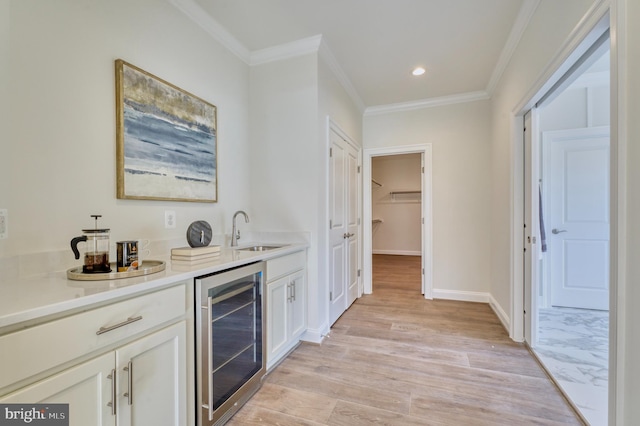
(96, 255)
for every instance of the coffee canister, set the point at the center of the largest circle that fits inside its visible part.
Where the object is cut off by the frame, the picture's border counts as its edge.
(127, 256)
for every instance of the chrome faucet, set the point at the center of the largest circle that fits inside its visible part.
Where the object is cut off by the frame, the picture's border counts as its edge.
(235, 232)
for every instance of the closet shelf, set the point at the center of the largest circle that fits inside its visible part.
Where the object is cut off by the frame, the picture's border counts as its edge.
(404, 192)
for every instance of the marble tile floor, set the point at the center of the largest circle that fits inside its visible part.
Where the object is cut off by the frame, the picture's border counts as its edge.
(573, 345)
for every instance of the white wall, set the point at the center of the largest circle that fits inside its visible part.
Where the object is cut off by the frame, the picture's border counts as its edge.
(5, 148)
(61, 126)
(549, 27)
(578, 107)
(459, 135)
(290, 102)
(400, 230)
(284, 157)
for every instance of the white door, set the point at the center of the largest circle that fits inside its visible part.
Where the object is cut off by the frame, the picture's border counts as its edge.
(297, 308)
(343, 225)
(277, 313)
(576, 185)
(353, 236)
(337, 228)
(85, 387)
(151, 383)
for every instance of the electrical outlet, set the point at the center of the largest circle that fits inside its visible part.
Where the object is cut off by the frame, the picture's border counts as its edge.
(169, 219)
(4, 224)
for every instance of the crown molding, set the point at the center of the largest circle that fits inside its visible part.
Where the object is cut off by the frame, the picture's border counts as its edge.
(428, 103)
(519, 26)
(317, 44)
(200, 16)
(517, 30)
(285, 51)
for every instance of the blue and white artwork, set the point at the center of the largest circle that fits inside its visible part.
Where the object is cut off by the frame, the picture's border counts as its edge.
(167, 143)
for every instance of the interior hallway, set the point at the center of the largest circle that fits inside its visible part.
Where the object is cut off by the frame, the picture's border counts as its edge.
(396, 359)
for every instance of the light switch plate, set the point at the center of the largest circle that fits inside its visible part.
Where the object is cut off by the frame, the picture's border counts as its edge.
(4, 224)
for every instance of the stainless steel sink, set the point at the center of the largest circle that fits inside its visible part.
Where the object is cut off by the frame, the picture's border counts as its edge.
(260, 248)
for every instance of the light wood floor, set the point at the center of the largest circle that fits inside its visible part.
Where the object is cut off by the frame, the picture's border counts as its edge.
(396, 359)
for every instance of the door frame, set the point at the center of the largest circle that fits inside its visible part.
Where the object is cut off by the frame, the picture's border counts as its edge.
(577, 43)
(611, 13)
(427, 213)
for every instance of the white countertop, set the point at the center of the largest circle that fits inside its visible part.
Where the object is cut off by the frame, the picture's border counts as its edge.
(25, 300)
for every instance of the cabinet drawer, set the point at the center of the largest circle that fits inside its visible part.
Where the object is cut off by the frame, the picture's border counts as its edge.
(284, 265)
(37, 349)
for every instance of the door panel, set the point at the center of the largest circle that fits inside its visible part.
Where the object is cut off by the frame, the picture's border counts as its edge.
(338, 227)
(85, 387)
(344, 235)
(353, 241)
(150, 384)
(337, 288)
(577, 190)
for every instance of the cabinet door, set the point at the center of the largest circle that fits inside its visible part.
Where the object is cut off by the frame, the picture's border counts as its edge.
(151, 384)
(86, 388)
(297, 305)
(277, 306)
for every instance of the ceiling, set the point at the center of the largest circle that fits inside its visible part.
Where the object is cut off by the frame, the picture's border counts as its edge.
(463, 44)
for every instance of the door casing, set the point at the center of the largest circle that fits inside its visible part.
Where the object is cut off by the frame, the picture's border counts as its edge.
(427, 215)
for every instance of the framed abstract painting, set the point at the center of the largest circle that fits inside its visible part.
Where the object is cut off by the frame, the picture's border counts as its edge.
(166, 140)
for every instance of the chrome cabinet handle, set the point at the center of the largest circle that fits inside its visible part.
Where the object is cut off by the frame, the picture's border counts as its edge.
(123, 323)
(112, 403)
(129, 393)
(289, 292)
(293, 291)
(557, 231)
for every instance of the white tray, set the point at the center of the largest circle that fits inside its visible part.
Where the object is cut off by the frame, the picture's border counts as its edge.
(147, 267)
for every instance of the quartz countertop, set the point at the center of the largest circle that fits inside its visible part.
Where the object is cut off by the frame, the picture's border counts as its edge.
(26, 301)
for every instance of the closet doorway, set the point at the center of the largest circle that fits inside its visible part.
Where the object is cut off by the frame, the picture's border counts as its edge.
(397, 216)
(396, 209)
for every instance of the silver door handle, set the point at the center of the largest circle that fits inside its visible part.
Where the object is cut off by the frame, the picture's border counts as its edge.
(112, 403)
(129, 320)
(557, 231)
(347, 235)
(129, 393)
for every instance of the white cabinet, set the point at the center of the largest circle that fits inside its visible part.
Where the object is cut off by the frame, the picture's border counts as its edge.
(149, 388)
(286, 305)
(85, 387)
(151, 379)
(136, 373)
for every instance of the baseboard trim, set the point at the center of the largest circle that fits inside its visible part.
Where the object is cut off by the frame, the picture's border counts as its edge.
(464, 296)
(398, 252)
(315, 335)
(500, 313)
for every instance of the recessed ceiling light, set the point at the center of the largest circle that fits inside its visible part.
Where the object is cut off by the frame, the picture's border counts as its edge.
(418, 71)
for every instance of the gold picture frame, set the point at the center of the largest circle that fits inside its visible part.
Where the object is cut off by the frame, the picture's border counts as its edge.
(166, 146)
